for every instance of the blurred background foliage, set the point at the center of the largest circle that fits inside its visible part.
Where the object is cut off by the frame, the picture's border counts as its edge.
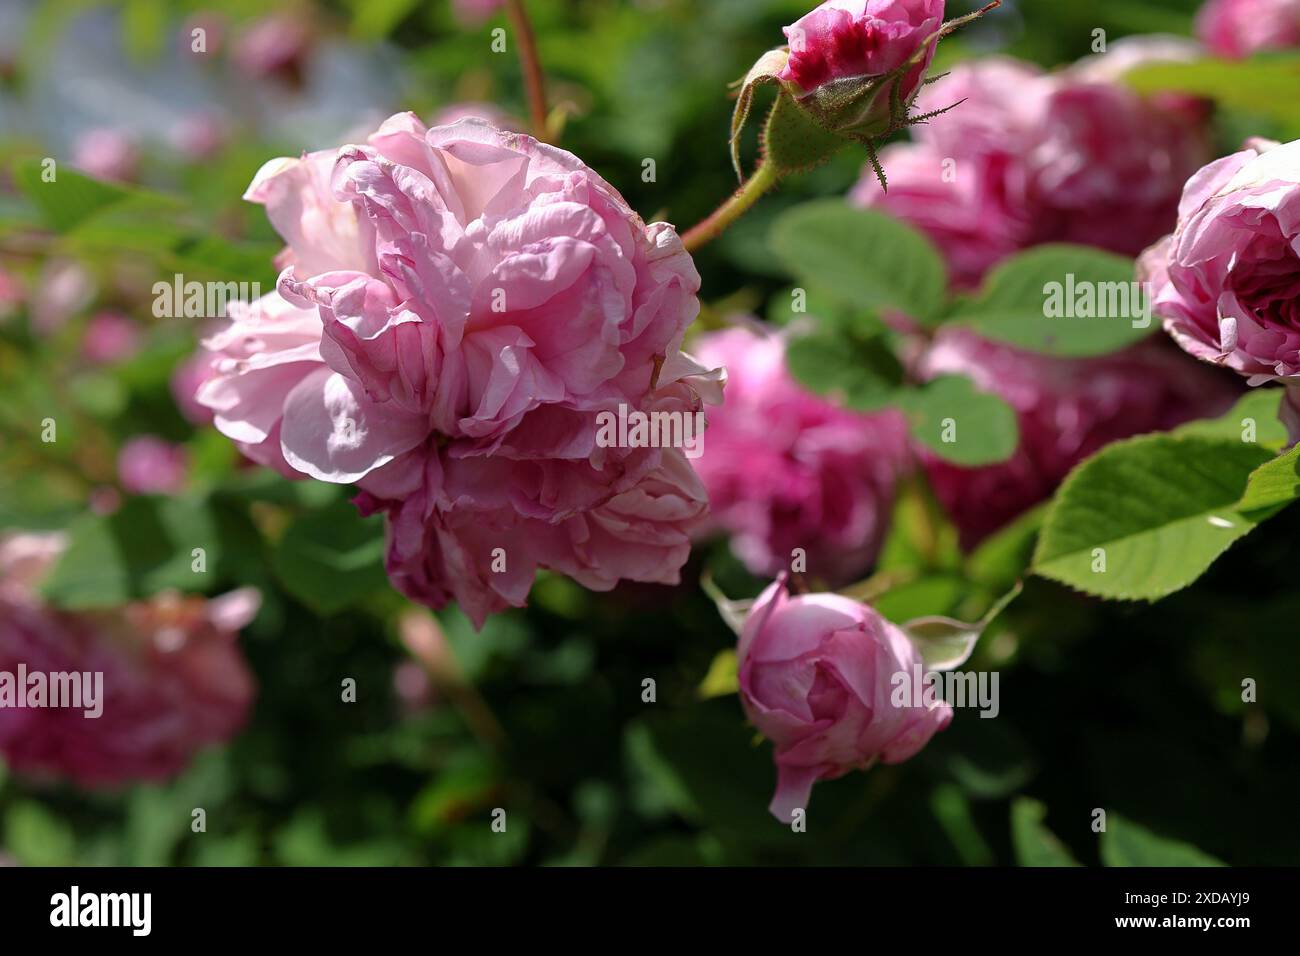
(1134, 709)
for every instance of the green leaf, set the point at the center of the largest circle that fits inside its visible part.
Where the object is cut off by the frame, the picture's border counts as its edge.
(1273, 485)
(1035, 845)
(331, 559)
(865, 260)
(1061, 300)
(722, 678)
(1124, 843)
(144, 547)
(961, 424)
(861, 374)
(71, 198)
(1150, 514)
(1262, 86)
(1253, 418)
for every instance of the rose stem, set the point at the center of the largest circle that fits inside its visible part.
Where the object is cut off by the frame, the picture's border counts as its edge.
(531, 64)
(764, 178)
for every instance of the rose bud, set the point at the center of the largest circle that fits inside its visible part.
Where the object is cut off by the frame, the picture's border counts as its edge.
(1227, 282)
(786, 469)
(1238, 28)
(816, 675)
(849, 74)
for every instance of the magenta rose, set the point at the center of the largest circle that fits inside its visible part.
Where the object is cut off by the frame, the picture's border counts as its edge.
(817, 675)
(786, 469)
(1031, 158)
(1238, 28)
(1067, 409)
(173, 679)
(459, 307)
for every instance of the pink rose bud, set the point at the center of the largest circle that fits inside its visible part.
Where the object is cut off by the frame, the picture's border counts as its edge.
(1031, 158)
(149, 466)
(1067, 409)
(110, 337)
(106, 154)
(886, 45)
(161, 679)
(1227, 282)
(1238, 28)
(817, 674)
(791, 473)
(460, 308)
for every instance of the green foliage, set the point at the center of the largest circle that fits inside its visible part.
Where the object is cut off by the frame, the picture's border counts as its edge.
(961, 424)
(1262, 86)
(1034, 843)
(862, 259)
(332, 558)
(1060, 300)
(1146, 517)
(1124, 843)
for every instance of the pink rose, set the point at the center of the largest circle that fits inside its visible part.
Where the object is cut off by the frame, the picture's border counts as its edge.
(1238, 28)
(458, 307)
(173, 679)
(186, 379)
(150, 466)
(275, 45)
(1067, 410)
(786, 469)
(816, 678)
(474, 12)
(1031, 158)
(110, 337)
(106, 154)
(844, 39)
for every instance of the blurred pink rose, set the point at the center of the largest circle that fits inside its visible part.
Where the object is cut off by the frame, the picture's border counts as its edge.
(1031, 158)
(200, 137)
(1238, 28)
(106, 153)
(187, 378)
(173, 679)
(63, 288)
(844, 39)
(150, 466)
(786, 469)
(1067, 410)
(459, 304)
(12, 293)
(275, 45)
(816, 678)
(474, 12)
(110, 337)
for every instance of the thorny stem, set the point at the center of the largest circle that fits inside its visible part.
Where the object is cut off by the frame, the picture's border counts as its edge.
(765, 177)
(531, 64)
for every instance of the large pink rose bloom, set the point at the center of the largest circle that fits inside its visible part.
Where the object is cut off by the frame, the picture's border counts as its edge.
(787, 469)
(1238, 28)
(1227, 282)
(458, 306)
(844, 39)
(174, 680)
(1067, 409)
(816, 678)
(1031, 158)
